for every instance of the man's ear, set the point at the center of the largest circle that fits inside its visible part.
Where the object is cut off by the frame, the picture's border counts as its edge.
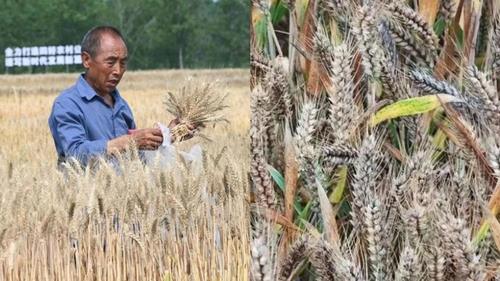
(86, 58)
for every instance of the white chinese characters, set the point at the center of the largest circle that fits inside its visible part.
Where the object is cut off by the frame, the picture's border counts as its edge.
(42, 56)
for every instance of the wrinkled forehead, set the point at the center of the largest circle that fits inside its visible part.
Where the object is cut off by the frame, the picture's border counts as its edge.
(111, 45)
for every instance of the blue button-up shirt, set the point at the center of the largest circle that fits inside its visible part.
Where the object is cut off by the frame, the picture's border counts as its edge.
(82, 123)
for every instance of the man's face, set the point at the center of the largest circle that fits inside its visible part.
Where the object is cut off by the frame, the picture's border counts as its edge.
(106, 68)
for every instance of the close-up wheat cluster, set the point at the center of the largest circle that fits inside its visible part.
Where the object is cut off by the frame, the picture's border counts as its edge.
(375, 140)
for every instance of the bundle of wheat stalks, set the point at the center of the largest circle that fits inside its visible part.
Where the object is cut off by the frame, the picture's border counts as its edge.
(188, 222)
(194, 106)
(375, 137)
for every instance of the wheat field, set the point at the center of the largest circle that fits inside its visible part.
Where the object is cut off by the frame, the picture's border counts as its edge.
(185, 222)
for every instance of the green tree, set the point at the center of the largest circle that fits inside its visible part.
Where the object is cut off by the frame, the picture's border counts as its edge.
(159, 33)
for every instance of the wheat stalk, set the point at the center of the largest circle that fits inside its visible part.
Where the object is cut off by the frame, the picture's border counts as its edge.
(430, 84)
(194, 106)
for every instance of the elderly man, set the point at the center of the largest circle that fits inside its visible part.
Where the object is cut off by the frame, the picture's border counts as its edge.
(91, 119)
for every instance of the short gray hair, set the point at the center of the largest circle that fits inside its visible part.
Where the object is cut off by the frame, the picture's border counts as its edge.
(91, 42)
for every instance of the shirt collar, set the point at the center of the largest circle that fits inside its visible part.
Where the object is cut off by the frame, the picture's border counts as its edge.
(86, 91)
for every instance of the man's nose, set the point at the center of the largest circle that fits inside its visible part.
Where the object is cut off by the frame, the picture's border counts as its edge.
(118, 68)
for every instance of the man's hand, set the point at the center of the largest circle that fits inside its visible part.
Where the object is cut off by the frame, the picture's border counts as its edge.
(147, 139)
(173, 123)
(191, 130)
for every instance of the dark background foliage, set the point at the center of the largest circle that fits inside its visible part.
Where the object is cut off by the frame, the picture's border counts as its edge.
(159, 33)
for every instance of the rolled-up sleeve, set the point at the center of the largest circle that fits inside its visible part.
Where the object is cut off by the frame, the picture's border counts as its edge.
(69, 130)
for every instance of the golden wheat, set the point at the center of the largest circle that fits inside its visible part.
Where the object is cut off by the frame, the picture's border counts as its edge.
(144, 223)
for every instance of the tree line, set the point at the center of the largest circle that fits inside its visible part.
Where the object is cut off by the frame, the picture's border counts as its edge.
(158, 33)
